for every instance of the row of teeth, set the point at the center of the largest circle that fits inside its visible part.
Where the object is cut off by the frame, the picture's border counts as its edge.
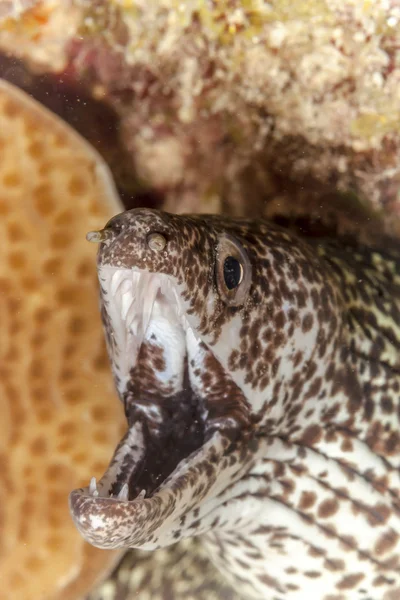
(139, 290)
(123, 494)
(131, 298)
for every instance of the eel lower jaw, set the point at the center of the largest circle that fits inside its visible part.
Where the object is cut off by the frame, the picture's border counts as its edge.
(145, 492)
(147, 523)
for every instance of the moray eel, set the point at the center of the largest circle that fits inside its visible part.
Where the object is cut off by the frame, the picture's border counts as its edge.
(260, 376)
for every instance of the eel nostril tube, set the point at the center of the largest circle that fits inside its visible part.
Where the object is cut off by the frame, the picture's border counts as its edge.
(99, 236)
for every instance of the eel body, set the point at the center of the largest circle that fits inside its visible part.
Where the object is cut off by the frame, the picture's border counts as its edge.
(259, 372)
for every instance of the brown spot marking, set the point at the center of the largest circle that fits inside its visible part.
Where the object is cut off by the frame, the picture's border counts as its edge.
(349, 582)
(327, 508)
(369, 408)
(348, 543)
(312, 574)
(386, 542)
(270, 581)
(335, 564)
(315, 552)
(355, 392)
(312, 435)
(297, 358)
(378, 514)
(314, 388)
(279, 320)
(387, 405)
(307, 323)
(307, 500)
(347, 445)
(392, 444)
(380, 580)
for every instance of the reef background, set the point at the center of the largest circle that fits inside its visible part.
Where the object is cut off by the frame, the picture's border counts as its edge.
(240, 106)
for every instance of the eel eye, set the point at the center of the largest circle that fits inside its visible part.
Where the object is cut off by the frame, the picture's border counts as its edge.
(156, 241)
(233, 271)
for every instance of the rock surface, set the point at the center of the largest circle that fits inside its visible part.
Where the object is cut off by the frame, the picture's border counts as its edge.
(225, 105)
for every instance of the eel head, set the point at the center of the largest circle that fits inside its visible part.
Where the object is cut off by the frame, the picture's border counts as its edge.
(207, 320)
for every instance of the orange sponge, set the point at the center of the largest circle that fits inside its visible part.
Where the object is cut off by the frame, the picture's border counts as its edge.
(59, 416)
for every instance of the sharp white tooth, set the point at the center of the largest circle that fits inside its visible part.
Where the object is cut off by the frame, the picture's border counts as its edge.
(123, 493)
(93, 487)
(141, 495)
(127, 302)
(130, 316)
(148, 302)
(126, 286)
(134, 326)
(116, 280)
(146, 316)
(136, 281)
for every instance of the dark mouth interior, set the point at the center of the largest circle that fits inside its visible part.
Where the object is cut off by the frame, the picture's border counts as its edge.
(181, 432)
(176, 425)
(177, 428)
(175, 406)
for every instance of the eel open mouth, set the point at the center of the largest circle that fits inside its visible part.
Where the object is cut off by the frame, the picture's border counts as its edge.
(183, 411)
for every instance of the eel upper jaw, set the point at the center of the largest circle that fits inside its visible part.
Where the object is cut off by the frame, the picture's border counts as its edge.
(141, 307)
(130, 297)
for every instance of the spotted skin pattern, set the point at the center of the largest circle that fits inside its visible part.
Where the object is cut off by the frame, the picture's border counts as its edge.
(304, 502)
(179, 572)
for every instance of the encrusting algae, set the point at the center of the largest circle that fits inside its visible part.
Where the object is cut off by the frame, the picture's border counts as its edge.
(59, 416)
(224, 105)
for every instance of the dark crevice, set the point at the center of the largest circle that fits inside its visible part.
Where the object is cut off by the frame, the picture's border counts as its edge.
(93, 119)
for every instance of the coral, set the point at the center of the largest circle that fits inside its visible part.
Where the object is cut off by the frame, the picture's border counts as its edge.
(223, 100)
(9, 9)
(59, 414)
(222, 104)
(37, 31)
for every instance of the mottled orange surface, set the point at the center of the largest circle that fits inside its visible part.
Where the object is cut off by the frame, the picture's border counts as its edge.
(59, 416)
